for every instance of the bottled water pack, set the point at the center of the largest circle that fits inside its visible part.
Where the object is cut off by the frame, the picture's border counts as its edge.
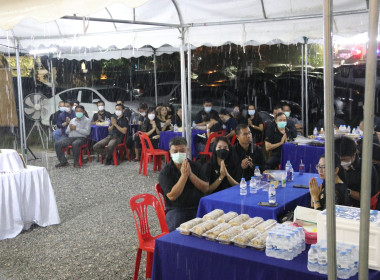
(347, 259)
(285, 242)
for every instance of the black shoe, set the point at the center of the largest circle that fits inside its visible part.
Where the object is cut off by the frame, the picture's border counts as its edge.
(76, 165)
(108, 162)
(62, 164)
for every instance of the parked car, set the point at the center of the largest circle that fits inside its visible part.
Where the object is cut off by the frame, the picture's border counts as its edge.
(88, 97)
(277, 69)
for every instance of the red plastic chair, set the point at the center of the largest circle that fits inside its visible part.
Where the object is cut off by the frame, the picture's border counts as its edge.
(149, 152)
(374, 200)
(81, 152)
(119, 148)
(161, 195)
(139, 205)
(213, 135)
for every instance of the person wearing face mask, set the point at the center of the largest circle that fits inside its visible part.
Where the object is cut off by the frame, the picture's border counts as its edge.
(346, 148)
(102, 114)
(237, 114)
(54, 117)
(151, 127)
(293, 124)
(75, 104)
(255, 124)
(116, 133)
(127, 112)
(182, 183)
(220, 170)
(318, 193)
(63, 121)
(246, 155)
(203, 117)
(133, 142)
(274, 139)
(78, 129)
(229, 123)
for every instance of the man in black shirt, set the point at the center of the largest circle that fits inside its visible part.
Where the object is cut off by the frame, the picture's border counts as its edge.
(246, 155)
(116, 134)
(102, 114)
(181, 183)
(127, 113)
(229, 123)
(204, 116)
(346, 148)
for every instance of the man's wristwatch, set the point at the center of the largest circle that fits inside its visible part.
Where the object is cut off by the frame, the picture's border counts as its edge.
(349, 192)
(220, 179)
(315, 201)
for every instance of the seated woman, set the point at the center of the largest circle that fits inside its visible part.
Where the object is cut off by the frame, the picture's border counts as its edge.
(318, 193)
(276, 135)
(177, 119)
(162, 116)
(220, 170)
(255, 123)
(150, 127)
(237, 114)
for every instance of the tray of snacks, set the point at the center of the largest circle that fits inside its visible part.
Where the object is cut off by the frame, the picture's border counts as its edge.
(226, 236)
(252, 223)
(227, 217)
(213, 215)
(213, 233)
(266, 225)
(237, 221)
(243, 238)
(185, 228)
(201, 228)
(259, 241)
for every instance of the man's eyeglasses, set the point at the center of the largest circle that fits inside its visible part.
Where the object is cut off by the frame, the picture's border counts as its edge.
(320, 167)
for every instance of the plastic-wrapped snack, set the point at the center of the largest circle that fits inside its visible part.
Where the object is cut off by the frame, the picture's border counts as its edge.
(226, 236)
(213, 215)
(243, 238)
(184, 228)
(227, 217)
(252, 223)
(213, 233)
(259, 241)
(266, 225)
(199, 229)
(237, 221)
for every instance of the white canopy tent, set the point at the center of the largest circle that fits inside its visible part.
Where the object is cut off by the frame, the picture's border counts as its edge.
(93, 28)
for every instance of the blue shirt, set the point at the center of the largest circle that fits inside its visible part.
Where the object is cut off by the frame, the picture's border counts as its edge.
(230, 125)
(62, 118)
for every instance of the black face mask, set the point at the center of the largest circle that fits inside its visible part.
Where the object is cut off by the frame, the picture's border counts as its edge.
(222, 154)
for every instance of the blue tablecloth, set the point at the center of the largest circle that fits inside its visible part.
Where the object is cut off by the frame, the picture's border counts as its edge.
(309, 154)
(165, 137)
(98, 132)
(183, 257)
(231, 200)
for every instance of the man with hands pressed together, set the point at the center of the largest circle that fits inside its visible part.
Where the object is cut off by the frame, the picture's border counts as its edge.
(116, 133)
(78, 129)
(246, 155)
(182, 185)
(63, 121)
(102, 114)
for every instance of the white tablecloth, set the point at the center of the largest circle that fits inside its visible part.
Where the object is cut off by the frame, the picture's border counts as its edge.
(26, 197)
(10, 161)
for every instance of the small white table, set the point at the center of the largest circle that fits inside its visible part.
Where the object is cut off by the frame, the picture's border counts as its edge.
(10, 161)
(26, 197)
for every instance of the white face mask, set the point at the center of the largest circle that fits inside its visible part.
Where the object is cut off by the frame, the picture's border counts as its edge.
(208, 109)
(178, 158)
(251, 112)
(67, 109)
(287, 114)
(346, 164)
(74, 108)
(143, 114)
(100, 108)
(151, 116)
(118, 113)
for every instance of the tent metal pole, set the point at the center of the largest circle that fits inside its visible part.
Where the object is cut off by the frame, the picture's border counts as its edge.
(303, 90)
(183, 83)
(329, 131)
(306, 91)
(23, 146)
(155, 75)
(369, 101)
(52, 81)
(189, 102)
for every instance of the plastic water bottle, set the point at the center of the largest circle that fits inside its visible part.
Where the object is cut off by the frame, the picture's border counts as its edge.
(355, 257)
(312, 258)
(175, 128)
(322, 131)
(349, 129)
(351, 262)
(243, 187)
(343, 266)
(194, 125)
(272, 194)
(252, 185)
(257, 175)
(315, 131)
(287, 166)
(302, 234)
(301, 169)
(290, 174)
(269, 245)
(322, 260)
(354, 130)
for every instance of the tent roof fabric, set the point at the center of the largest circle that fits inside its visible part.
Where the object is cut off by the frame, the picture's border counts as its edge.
(209, 23)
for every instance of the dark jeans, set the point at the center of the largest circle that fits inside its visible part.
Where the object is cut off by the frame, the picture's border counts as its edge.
(105, 146)
(176, 216)
(273, 161)
(76, 142)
